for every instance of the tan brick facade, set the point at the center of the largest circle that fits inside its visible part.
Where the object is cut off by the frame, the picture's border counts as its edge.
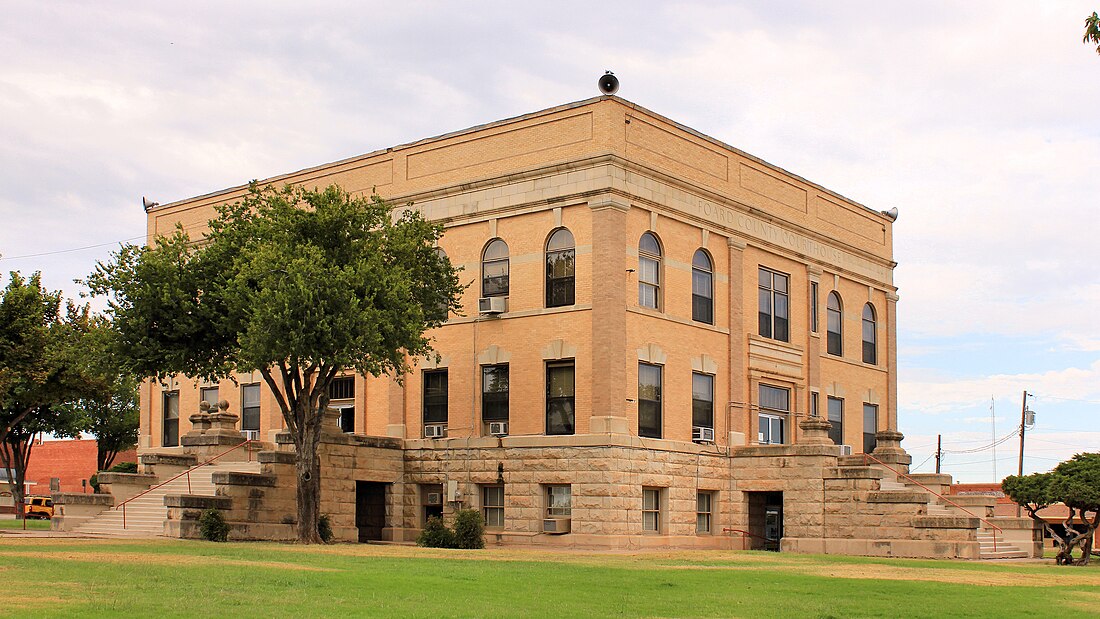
(609, 172)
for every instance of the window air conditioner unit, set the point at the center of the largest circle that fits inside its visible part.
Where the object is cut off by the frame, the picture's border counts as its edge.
(435, 431)
(434, 498)
(555, 526)
(845, 450)
(498, 428)
(700, 434)
(760, 437)
(492, 305)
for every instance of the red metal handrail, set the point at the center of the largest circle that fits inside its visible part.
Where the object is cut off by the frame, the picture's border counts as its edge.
(745, 535)
(945, 499)
(187, 473)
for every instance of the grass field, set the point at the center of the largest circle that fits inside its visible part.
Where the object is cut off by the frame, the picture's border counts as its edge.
(47, 577)
(32, 524)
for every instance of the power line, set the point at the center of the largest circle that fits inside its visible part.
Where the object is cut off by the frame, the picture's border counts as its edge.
(97, 245)
(75, 249)
(1054, 397)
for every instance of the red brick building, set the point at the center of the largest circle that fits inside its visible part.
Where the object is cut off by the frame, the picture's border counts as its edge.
(70, 461)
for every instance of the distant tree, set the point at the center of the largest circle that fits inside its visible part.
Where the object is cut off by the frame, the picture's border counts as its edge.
(297, 284)
(15, 453)
(1092, 31)
(1074, 483)
(44, 364)
(113, 420)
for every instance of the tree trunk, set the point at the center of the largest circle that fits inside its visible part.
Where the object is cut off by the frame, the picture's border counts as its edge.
(308, 469)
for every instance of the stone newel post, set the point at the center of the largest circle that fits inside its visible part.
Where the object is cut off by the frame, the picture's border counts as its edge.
(815, 431)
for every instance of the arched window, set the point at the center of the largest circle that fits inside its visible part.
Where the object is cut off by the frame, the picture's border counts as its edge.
(649, 271)
(870, 354)
(494, 269)
(560, 269)
(833, 326)
(702, 288)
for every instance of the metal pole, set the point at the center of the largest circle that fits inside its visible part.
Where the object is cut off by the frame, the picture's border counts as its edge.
(939, 452)
(1023, 426)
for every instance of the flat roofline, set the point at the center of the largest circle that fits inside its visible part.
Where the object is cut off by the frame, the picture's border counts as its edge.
(514, 119)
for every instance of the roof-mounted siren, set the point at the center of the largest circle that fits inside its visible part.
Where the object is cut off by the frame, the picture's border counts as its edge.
(891, 214)
(609, 84)
(147, 203)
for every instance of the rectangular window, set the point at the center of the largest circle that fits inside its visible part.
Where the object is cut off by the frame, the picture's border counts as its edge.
(836, 417)
(250, 407)
(704, 506)
(774, 311)
(494, 393)
(435, 396)
(813, 404)
(651, 510)
(431, 501)
(210, 395)
(702, 400)
(870, 426)
(560, 394)
(559, 502)
(347, 418)
(813, 307)
(492, 506)
(649, 400)
(171, 434)
(342, 388)
(775, 407)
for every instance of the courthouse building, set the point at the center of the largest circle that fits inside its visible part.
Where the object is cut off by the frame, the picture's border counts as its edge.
(656, 326)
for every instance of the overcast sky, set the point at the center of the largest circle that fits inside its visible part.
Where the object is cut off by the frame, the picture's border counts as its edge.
(977, 120)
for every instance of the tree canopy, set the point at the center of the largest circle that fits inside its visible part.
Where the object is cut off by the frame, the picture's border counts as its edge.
(44, 364)
(1092, 31)
(298, 284)
(1075, 484)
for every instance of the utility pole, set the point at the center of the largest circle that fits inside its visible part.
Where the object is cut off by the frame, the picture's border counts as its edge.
(1023, 427)
(939, 452)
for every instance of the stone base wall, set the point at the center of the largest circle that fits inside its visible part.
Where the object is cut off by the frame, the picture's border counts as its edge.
(830, 503)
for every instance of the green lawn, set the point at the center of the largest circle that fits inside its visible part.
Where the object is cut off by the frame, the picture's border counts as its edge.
(32, 525)
(83, 578)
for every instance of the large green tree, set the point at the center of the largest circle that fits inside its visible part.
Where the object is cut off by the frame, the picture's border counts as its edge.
(43, 365)
(298, 284)
(1074, 483)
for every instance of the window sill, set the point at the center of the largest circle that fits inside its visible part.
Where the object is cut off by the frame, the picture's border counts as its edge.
(652, 313)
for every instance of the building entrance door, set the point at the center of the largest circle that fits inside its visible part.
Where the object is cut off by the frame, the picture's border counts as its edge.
(765, 520)
(370, 509)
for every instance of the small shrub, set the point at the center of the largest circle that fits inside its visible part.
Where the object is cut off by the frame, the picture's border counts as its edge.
(324, 528)
(436, 534)
(94, 483)
(124, 467)
(212, 526)
(469, 529)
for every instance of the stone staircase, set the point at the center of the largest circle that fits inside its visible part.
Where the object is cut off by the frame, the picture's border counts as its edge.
(145, 515)
(1004, 549)
(991, 544)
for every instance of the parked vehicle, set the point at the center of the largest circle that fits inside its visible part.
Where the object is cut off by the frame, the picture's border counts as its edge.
(38, 507)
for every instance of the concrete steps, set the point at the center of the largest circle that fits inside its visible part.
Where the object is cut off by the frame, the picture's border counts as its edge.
(1004, 550)
(144, 516)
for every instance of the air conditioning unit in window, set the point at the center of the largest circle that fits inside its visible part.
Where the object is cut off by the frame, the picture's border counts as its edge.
(492, 305)
(556, 526)
(700, 434)
(434, 498)
(435, 431)
(845, 450)
(760, 438)
(498, 428)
